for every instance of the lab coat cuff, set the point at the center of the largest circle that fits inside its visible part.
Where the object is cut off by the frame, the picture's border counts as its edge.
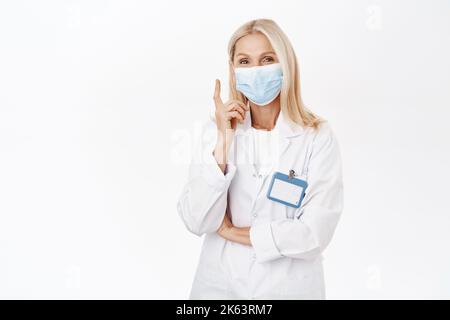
(214, 175)
(263, 242)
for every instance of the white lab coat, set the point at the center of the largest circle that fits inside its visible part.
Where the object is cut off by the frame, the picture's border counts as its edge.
(285, 259)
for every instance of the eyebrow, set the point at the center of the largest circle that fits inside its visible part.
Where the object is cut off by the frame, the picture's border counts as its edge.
(243, 54)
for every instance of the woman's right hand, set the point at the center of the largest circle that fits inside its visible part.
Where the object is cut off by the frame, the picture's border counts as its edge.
(228, 113)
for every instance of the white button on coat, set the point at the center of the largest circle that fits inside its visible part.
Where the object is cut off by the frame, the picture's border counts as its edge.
(285, 259)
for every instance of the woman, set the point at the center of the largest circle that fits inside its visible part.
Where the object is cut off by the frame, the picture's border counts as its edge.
(256, 246)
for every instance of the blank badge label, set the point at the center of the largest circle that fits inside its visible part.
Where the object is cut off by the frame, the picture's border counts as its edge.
(286, 191)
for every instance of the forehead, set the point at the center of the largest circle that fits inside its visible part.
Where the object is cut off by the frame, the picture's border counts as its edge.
(253, 44)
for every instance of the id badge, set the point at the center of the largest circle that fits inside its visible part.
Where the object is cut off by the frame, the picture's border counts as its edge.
(287, 189)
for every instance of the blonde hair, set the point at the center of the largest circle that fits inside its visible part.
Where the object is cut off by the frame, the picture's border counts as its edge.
(290, 98)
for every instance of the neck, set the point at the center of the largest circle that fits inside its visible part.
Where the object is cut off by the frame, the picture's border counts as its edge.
(265, 117)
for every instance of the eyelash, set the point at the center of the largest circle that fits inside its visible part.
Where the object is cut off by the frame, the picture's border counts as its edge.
(264, 57)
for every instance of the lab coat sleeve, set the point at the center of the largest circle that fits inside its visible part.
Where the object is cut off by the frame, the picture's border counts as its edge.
(308, 234)
(203, 200)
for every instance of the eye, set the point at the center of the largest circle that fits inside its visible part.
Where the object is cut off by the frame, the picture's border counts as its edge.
(242, 60)
(269, 59)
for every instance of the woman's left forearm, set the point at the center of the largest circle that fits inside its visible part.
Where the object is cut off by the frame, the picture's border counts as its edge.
(240, 235)
(232, 233)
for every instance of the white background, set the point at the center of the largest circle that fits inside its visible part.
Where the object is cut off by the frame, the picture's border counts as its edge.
(99, 103)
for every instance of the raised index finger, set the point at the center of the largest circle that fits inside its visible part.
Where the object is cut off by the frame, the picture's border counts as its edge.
(217, 98)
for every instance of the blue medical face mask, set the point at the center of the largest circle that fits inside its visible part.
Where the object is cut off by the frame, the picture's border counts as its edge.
(260, 84)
